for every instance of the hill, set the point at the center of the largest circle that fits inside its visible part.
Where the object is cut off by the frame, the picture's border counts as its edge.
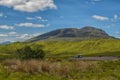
(4, 43)
(72, 33)
(64, 49)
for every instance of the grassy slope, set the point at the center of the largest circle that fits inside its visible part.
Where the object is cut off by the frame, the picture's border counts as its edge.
(94, 47)
(108, 47)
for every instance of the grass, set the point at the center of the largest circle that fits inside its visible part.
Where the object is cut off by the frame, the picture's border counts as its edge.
(94, 47)
(65, 49)
(55, 67)
(65, 70)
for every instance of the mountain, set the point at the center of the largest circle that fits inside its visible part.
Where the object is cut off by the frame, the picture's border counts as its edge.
(72, 33)
(4, 43)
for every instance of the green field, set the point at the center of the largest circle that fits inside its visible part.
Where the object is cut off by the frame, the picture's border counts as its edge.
(56, 67)
(65, 49)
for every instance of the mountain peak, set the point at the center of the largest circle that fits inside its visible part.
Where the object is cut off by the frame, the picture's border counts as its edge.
(86, 32)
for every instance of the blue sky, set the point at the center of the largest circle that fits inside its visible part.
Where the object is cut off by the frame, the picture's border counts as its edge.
(23, 19)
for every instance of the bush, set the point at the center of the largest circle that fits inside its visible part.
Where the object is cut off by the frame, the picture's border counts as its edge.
(28, 53)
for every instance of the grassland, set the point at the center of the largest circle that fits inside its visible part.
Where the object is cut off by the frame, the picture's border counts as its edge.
(65, 49)
(56, 67)
(53, 70)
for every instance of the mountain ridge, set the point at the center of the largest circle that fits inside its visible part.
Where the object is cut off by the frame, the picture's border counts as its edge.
(86, 32)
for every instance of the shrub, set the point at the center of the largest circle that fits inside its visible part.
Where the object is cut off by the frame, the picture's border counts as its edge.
(28, 53)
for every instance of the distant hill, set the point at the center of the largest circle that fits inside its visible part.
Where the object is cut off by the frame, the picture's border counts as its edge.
(4, 43)
(72, 33)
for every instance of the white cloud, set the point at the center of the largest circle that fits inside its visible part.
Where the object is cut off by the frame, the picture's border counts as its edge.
(101, 18)
(6, 27)
(36, 34)
(30, 18)
(92, 1)
(30, 25)
(95, 1)
(34, 18)
(28, 5)
(12, 33)
(1, 14)
(38, 17)
(24, 36)
(14, 36)
(17, 35)
(117, 32)
(3, 35)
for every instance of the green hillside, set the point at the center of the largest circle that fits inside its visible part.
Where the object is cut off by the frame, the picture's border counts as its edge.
(73, 33)
(93, 47)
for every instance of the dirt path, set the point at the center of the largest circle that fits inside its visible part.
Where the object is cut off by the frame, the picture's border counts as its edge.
(96, 58)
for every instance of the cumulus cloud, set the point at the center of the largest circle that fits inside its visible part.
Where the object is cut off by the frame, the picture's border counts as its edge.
(30, 25)
(6, 27)
(28, 5)
(14, 36)
(22, 37)
(101, 18)
(10, 34)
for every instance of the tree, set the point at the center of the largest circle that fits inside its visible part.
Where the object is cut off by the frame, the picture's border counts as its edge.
(28, 53)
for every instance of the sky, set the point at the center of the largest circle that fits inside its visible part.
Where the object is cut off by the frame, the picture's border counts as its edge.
(23, 19)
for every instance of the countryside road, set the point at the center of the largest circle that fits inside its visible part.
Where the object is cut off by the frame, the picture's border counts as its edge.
(96, 58)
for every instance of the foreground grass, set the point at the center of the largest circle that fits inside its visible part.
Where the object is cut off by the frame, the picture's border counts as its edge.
(63, 70)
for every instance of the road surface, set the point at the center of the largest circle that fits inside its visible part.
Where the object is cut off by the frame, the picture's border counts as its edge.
(96, 58)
